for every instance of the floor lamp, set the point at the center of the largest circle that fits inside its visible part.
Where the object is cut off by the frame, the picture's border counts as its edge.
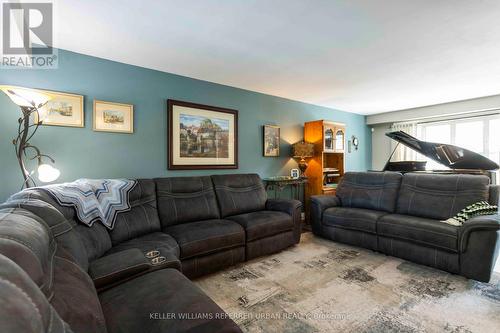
(31, 103)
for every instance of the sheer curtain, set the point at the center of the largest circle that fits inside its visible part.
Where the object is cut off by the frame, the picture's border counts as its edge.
(403, 153)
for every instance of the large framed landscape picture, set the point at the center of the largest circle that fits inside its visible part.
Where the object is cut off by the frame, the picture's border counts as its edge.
(201, 136)
(62, 110)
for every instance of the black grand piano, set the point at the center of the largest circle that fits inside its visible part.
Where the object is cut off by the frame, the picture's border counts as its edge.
(457, 159)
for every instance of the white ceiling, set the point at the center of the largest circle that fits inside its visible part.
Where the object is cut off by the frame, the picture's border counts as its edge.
(363, 56)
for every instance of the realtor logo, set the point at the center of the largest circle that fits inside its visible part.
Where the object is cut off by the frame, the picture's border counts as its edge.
(27, 35)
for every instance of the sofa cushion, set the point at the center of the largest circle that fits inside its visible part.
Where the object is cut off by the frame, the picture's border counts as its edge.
(155, 302)
(185, 199)
(494, 198)
(25, 239)
(142, 217)
(199, 266)
(420, 254)
(61, 228)
(24, 308)
(204, 237)
(352, 218)
(149, 242)
(84, 243)
(440, 196)
(370, 190)
(263, 223)
(423, 231)
(75, 297)
(93, 241)
(239, 193)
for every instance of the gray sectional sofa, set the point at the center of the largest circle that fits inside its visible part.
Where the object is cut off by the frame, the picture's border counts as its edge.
(401, 215)
(59, 275)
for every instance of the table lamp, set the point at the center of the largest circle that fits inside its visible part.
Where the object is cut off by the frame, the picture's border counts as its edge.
(302, 150)
(30, 102)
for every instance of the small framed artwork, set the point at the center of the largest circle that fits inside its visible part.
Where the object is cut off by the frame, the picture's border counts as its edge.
(113, 117)
(62, 110)
(271, 141)
(201, 136)
(295, 173)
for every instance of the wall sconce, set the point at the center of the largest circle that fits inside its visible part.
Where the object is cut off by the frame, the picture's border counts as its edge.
(30, 103)
(302, 150)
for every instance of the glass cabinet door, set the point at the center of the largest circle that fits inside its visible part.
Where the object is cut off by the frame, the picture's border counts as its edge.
(329, 139)
(339, 140)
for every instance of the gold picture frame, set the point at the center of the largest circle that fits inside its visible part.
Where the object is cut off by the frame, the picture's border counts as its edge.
(64, 109)
(113, 117)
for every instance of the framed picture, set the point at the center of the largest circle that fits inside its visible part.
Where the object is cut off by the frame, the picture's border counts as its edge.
(201, 136)
(271, 141)
(62, 110)
(113, 117)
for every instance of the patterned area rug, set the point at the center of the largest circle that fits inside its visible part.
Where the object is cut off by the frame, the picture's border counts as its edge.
(322, 286)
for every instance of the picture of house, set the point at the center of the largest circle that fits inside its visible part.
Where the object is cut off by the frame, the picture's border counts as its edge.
(203, 137)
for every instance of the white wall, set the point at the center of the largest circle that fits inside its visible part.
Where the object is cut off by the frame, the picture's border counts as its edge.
(381, 146)
(381, 123)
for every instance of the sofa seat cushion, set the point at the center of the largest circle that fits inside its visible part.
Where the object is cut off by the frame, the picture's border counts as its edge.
(352, 218)
(264, 223)
(149, 242)
(204, 237)
(428, 232)
(156, 301)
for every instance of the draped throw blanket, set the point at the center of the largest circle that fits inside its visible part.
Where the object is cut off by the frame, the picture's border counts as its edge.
(476, 209)
(94, 199)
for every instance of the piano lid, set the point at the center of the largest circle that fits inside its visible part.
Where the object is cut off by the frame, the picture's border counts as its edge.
(449, 155)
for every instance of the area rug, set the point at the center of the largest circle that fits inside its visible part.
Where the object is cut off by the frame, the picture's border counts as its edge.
(322, 286)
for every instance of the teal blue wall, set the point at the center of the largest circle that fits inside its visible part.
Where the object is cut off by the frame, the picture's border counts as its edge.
(81, 152)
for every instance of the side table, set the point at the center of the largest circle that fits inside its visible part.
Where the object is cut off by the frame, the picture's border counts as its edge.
(279, 183)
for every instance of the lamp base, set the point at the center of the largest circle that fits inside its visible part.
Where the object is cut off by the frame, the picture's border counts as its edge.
(303, 166)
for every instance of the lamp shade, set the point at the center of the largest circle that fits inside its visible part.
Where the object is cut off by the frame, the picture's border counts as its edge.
(47, 173)
(302, 149)
(26, 97)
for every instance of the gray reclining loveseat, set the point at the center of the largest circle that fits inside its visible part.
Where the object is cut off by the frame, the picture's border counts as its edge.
(401, 215)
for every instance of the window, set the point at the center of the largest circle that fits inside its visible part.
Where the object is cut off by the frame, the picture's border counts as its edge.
(494, 140)
(478, 134)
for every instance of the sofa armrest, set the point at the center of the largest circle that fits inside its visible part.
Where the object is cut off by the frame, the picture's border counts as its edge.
(478, 223)
(494, 198)
(290, 207)
(325, 201)
(479, 243)
(116, 268)
(319, 203)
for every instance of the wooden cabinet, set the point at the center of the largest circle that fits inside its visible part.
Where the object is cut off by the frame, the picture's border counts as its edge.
(327, 166)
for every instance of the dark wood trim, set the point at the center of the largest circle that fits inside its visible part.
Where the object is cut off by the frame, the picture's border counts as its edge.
(171, 166)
